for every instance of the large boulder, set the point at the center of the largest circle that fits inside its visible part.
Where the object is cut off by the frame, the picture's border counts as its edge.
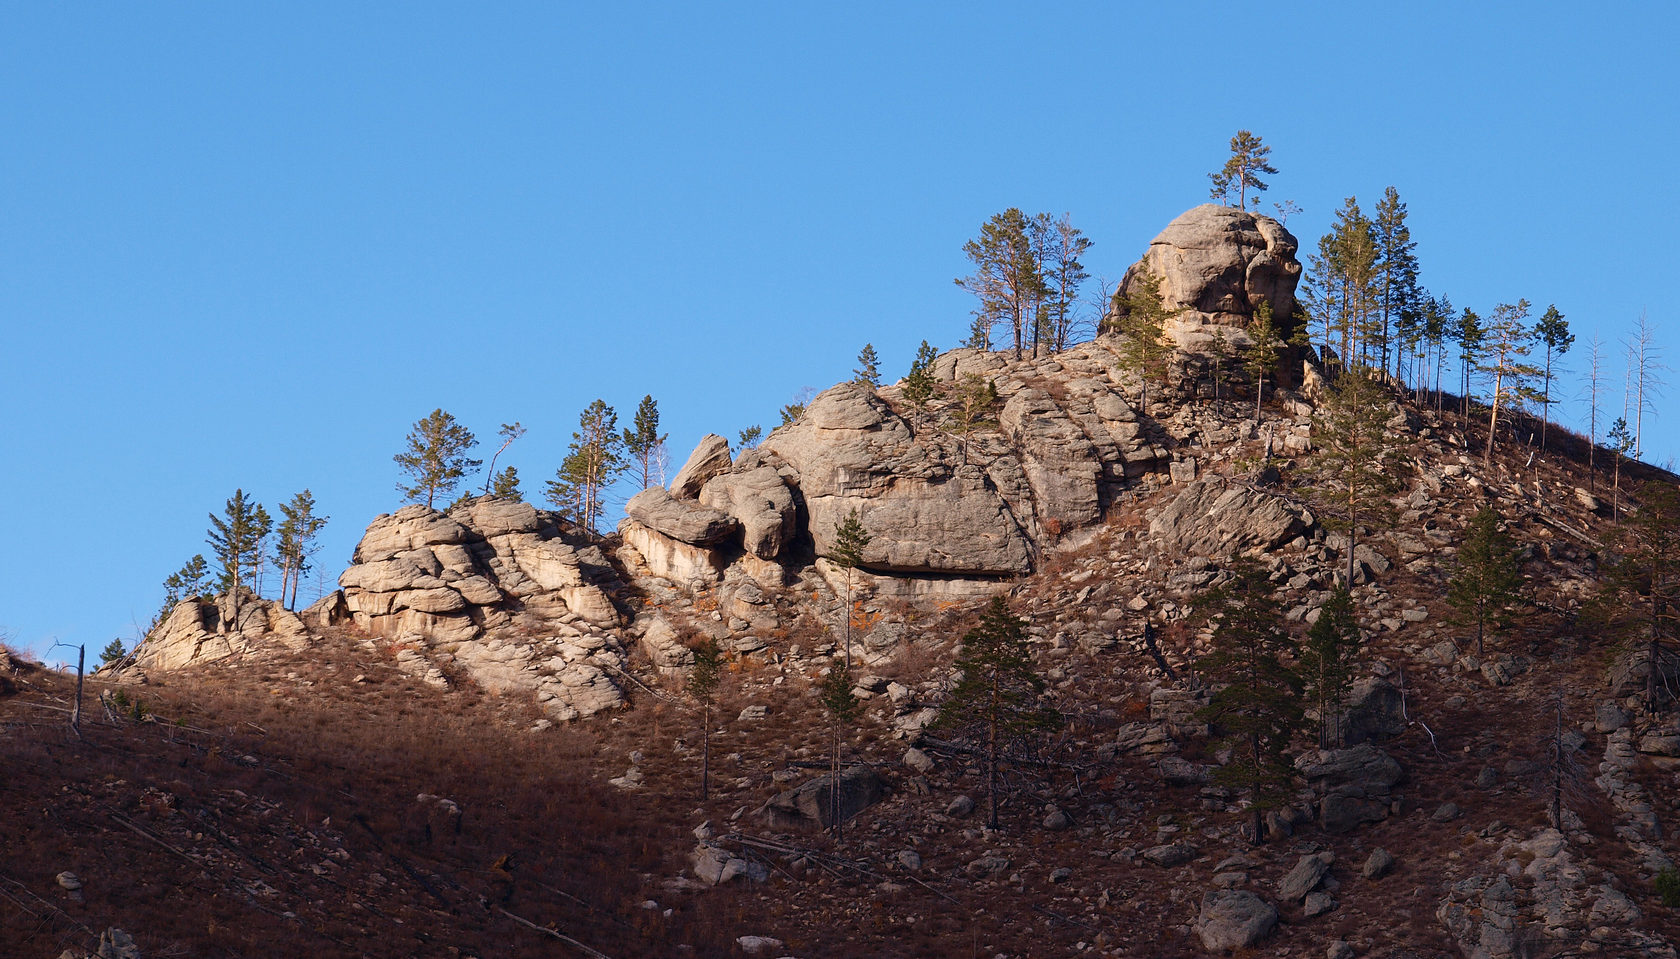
(1355, 784)
(1234, 919)
(807, 806)
(683, 520)
(207, 629)
(1214, 518)
(1219, 263)
(709, 458)
(761, 502)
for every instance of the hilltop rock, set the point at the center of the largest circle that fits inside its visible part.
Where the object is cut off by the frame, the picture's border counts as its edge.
(678, 519)
(1217, 263)
(201, 630)
(710, 457)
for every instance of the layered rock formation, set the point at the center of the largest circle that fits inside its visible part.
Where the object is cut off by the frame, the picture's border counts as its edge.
(943, 505)
(493, 590)
(202, 630)
(1217, 264)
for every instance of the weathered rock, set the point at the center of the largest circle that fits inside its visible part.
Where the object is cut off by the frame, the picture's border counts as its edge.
(201, 630)
(959, 807)
(672, 559)
(1355, 783)
(1305, 877)
(1169, 855)
(1234, 919)
(1061, 465)
(1373, 711)
(760, 501)
(710, 457)
(1211, 518)
(682, 520)
(1378, 864)
(807, 806)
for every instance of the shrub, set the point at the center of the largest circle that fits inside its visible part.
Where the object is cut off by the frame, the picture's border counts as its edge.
(1668, 886)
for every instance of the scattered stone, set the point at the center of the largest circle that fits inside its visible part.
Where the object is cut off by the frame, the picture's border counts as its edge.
(1057, 820)
(960, 807)
(1446, 813)
(1169, 855)
(1234, 919)
(1487, 778)
(1609, 717)
(69, 881)
(1378, 864)
(759, 945)
(1061, 874)
(918, 760)
(1339, 949)
(910, 859)
(1317, 904)
(753, 713)
(807, 806)
(1306, 876)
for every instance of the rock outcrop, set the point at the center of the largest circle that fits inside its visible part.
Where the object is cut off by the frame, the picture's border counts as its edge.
(494, 591)
(202, 630)
(1217, 264)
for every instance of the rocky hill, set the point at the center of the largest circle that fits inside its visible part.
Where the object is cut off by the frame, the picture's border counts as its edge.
(522, 641)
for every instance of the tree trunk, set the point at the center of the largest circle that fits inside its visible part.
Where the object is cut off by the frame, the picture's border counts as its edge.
(705, 750)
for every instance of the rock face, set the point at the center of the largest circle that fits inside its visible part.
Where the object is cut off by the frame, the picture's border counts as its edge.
(1218, 263)
(201, 630)
(1355, 783)
(1212, 518)
(493, 590)
(942, 504)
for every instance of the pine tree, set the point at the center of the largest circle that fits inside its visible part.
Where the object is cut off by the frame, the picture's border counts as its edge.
(1487, 585)
(1006, 279)
(507, 485)
(850, 540)
(1355, 463)
(975, 397)
(1326, 663)
(1396, 279)
(843, 708)
(1063, 275)
(236, 538)
(1257, 699)
(1641, 601)
(436, 458)
(643, 441)
(704, 677)
(1242, 171)
(1621, 442)
(509, 432)
(1507, 340)
(1265, 352)
(189, 580)
(594, 459)
(1553, 331)
(919, 383)
(1342, 293)
(998, 695)
(1470, 336)
(1140, 316)
(868, 371)
(298, 528)
(748, 438)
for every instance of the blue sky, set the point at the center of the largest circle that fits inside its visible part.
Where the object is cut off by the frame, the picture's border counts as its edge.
(249, 245)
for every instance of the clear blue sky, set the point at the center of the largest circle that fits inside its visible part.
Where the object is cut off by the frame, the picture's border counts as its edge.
(247, 245)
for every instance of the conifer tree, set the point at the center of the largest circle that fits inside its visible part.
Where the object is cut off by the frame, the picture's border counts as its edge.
(1396, 278)
(919, 383)
(114, 651)
(1063, 275)
(643, 441)
(509, 432)
(1641, 594)
(298, 528)
(1141, 316)
(506, 485)
(748, 438)
(436, 458)
(1553, 331)
(594, 459)
(1006, 278)
(1257, 699)
(975, 397)
(998, 695)
(868, 371)
(1355, 464)
(1487, 585)
(236, 538)
(1326, 663)
(837, 699)
(850, 540)
(1507, 340)
(1620, 441)
(1470, 336)
(1264, 353)
(704, 677)
(1242, 171)
(1342, 289)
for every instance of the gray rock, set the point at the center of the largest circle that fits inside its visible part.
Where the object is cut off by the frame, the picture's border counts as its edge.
(1305, 877)
(1061, 874)
(1211, 518)
(1222, 261)
(1447, 812)
(762, 504)
(1317, 904)
(807, 806)
(1056, 820)
(1234, 919)
(1339, 949)
(1373, 711)
(1341, 812)
(1609, 717)
(960, 807)
(910, 859)
(918, 760)
(1169, 855)
(759, 945)
(1487, 778)
(1364, 765)
(710, 457)
(1377, 865)
(682, 520)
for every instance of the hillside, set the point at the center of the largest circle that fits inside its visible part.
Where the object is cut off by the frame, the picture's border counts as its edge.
(482, 740)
